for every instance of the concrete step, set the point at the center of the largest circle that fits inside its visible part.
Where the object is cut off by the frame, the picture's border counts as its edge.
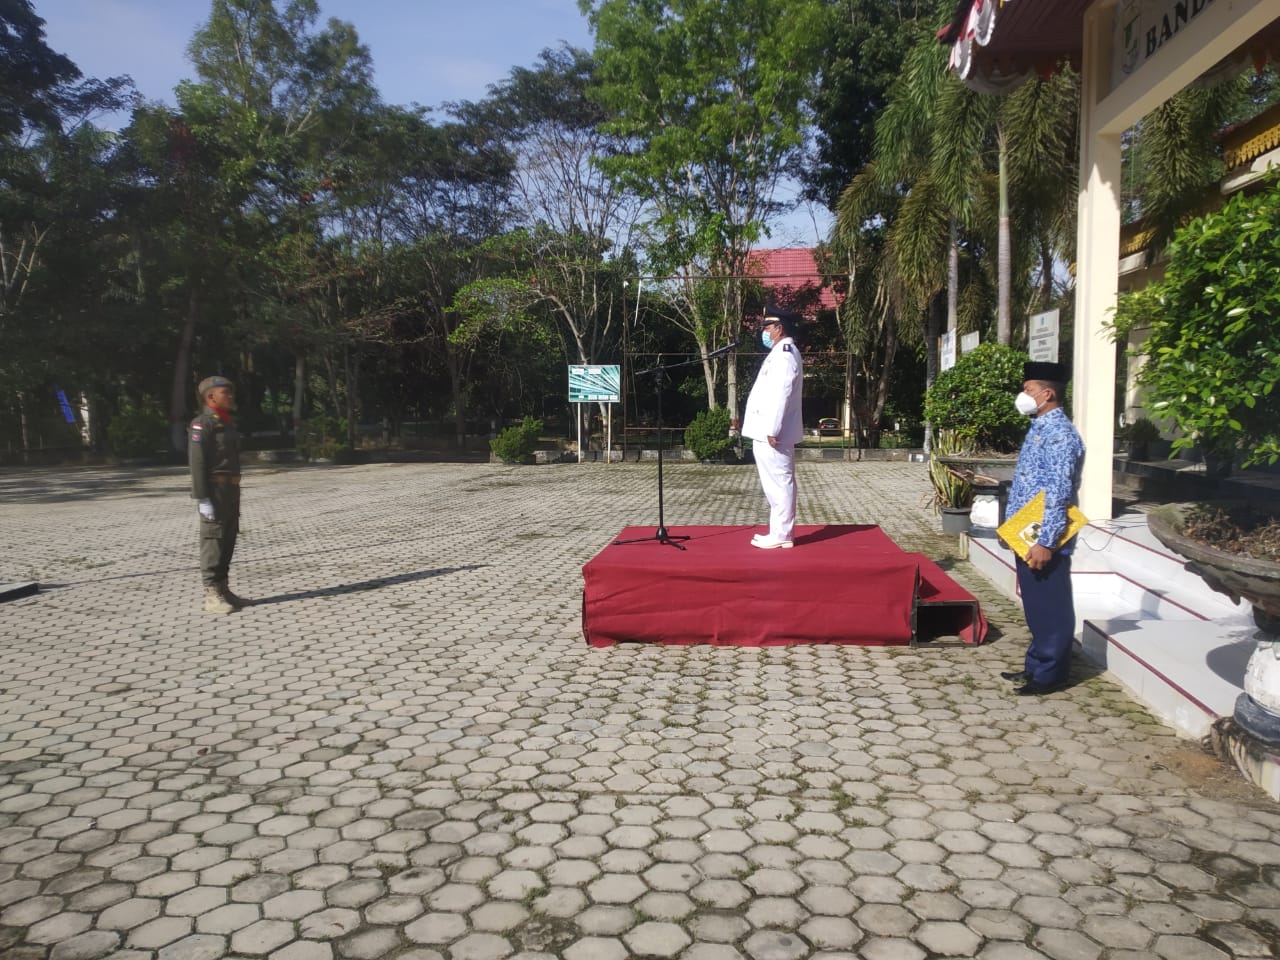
(1186, 672)
(1119, 570)
(1179, 647)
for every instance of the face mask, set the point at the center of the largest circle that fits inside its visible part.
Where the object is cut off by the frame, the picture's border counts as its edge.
(766, 339)
(1026, 404)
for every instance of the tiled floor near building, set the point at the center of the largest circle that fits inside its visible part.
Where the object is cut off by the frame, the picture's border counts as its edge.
(405, 750)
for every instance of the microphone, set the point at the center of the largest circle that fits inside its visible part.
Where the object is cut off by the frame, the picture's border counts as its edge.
(721, 351)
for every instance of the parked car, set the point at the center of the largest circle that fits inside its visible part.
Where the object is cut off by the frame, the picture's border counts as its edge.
(828, 425)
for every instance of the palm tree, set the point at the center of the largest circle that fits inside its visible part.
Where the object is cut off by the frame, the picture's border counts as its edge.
(953, 170)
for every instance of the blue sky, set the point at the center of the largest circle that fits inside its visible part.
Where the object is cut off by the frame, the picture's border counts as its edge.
(424, 51)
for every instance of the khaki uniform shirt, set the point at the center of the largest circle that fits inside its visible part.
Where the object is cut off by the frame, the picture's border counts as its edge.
(213, 447)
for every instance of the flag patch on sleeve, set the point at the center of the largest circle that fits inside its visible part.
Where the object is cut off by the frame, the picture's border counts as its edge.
(197, 432)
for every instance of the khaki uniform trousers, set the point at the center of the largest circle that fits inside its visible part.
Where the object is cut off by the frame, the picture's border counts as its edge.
(218, 536)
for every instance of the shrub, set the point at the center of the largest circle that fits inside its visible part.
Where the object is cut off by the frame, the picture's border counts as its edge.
(1213, 365)
(516, 444)
(708, 435)
(136, 431)
(975, 399)
(322, 437)
(895, 441)
(1141, 430)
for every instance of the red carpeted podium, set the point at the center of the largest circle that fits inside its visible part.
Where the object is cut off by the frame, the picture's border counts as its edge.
(839, 584)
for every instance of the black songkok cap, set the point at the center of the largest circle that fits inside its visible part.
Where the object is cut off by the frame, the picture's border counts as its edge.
(1051, 372)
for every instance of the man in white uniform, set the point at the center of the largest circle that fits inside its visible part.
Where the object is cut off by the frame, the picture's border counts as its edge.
(773, 423)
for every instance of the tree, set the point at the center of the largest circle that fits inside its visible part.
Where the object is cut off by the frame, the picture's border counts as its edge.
(273, 103)
(55, 194)
(40, 89)
(712, 100)
(570, 258)
(966, 167)
(455, 195)
(866, 43)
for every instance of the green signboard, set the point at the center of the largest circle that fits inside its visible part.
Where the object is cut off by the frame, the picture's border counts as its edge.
(594, 383)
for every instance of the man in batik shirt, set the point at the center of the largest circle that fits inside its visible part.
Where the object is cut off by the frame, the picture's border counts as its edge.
(1050, 461)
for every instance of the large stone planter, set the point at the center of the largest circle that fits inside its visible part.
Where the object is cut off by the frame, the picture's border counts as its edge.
(955, 519)
(1257, 581)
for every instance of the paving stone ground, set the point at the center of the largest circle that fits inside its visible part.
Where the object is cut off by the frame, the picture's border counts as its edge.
(405, 749)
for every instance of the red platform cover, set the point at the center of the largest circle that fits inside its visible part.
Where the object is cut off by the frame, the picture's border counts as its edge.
(839, 584)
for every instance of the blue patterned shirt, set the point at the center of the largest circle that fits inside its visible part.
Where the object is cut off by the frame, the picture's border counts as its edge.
(1050, 460)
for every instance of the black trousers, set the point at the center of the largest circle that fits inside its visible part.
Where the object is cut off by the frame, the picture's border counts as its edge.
(1050, 610)
(218, 536)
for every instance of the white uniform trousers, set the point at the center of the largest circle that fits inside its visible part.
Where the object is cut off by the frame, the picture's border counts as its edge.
(777, 469)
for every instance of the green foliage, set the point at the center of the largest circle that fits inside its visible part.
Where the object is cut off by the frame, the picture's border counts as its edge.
(708, 434)
(711, 98)
(322, 438)
(863, 57)
(1141, 430)
(516, 444)
(1213, 364)
(137, 430)
(950, 489)
(896, 441)
(1135, 310)
(975, 398)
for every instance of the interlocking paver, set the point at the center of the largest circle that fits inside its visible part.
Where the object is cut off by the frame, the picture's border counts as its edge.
(426, 761)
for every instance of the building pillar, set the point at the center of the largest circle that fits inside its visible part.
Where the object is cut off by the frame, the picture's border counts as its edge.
(1097, 252)
(1220, 27)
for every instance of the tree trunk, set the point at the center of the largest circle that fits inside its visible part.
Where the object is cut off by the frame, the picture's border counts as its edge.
(1004, 259)
(456, 388)
(24, 427)
(299, 386)
(953, 275)
(350, 372)
(246, 388)
(708, 373)
(886, 376)
(87, 421)
(731, 370)
(934, 317)
(846, 414)
(182, 379)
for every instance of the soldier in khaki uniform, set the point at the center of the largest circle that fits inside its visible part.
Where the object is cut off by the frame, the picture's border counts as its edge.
(213, 450)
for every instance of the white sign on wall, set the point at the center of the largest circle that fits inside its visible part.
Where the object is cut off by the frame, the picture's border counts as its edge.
(1042, 336)
(969, 342)
(1142, 27)
(947, 350)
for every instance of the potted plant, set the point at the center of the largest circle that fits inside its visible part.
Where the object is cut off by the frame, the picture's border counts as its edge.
(976, 397)
(1138, 437)
(952, 495)
(1212, 368)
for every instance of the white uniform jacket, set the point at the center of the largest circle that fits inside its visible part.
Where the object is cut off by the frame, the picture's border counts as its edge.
(773, 406)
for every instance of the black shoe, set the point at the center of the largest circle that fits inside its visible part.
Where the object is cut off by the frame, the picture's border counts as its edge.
(1037, 689)
(1018, 675)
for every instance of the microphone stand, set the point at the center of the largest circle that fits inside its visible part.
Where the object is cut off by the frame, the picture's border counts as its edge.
(659, 378)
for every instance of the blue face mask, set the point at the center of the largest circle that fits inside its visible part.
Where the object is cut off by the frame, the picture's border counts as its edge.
(766, 339)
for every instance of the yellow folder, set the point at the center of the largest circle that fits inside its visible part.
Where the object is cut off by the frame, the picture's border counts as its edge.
(1022, 530)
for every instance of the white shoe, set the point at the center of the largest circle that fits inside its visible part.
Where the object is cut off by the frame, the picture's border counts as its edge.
(759, 536)
(768, 543)
(215, 602)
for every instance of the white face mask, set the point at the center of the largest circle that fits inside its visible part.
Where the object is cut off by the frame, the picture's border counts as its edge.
(1026, 404)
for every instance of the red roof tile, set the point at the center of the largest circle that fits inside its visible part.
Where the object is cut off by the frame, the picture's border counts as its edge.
(791, 276)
